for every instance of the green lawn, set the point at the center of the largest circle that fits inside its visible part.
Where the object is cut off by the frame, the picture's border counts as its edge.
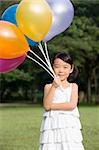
(19, 127)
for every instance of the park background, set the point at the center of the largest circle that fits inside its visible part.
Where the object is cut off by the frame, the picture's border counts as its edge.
(21, 90)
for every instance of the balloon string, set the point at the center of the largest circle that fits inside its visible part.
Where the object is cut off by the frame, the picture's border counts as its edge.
(47, 59)
(50, 72)
(39, 58)
(46, 50)
(41, 49)
(40, 65)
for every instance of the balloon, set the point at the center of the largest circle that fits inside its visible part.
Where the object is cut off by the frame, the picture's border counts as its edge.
(34, 18)
(62, 15)
(10, 16)
(7, 65)
(12, 42)
(31, 42)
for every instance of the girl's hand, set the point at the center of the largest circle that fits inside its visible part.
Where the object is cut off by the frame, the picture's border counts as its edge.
(56, 82)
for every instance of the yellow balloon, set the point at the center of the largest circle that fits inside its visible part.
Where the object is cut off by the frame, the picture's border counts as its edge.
(34, 18)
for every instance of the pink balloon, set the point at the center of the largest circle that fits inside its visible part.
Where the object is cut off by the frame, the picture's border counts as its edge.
(7, 65)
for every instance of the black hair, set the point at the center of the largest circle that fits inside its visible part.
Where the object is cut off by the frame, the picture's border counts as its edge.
(68, 59)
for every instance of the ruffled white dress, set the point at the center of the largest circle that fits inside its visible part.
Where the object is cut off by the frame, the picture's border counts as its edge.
(61, 130)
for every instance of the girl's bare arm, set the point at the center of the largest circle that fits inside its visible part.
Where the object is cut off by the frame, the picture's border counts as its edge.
(48, 96)
(68, 105)
(49, 91)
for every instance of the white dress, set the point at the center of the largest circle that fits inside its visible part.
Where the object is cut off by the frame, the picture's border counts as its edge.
(61, 129)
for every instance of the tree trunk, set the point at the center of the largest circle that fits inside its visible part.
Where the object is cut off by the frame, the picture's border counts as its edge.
(96, 89)
(89, 91)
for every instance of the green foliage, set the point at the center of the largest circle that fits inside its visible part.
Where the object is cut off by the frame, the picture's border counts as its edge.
(5, 3)
(16, 75)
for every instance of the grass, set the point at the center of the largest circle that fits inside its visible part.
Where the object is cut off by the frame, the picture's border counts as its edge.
(19, 127)
(89, 117)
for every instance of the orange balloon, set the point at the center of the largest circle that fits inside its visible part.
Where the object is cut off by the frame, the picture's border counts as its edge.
(12, 41)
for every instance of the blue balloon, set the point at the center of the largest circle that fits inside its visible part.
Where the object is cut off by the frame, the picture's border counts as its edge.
(31, 42)
(10, 15)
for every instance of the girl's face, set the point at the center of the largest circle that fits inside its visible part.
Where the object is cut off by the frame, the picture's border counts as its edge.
(62, 69)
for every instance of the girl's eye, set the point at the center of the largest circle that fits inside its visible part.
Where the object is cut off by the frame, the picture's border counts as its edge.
(56, 67)
(65, 67)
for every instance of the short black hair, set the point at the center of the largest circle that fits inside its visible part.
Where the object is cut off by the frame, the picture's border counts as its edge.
(68, 59)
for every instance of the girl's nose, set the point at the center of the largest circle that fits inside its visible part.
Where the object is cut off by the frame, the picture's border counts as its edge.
(61, 70)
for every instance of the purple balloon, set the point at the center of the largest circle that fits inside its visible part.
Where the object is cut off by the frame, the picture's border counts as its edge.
(62, 14)
(7, 65)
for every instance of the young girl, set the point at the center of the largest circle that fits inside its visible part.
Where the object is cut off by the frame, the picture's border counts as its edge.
(60, 128)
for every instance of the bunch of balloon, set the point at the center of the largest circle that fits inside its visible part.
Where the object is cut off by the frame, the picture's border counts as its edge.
(40, 21)
(45, 20)
(13, 47)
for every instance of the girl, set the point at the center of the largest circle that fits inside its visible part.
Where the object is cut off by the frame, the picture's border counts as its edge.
(60, 128)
